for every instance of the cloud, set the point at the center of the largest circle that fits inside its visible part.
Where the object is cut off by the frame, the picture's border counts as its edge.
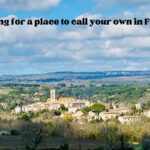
(113, 31)
(121, 3)
(137, 42)
(114, 52)
(28, 4)
(25, 33)
(25, 49)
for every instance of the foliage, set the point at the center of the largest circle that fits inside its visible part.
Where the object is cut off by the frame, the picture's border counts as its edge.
(3, 97)
(64, 147)
(68, 118)
(146, 142)
(1, 108)
(63, 108)
(86, 109)
(111, 135)
(106, 93)
(26, 116)
(57, 112)
(134, 110)
(97, 108)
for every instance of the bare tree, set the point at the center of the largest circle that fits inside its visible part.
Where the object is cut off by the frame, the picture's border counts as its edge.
(110, 136)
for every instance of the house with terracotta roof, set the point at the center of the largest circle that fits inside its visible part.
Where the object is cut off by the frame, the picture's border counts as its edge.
(108, 115)
(52, 103)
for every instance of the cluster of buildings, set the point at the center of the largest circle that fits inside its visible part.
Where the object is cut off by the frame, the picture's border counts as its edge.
(54, 104)
(106, 115)
(120, 113)
(74, 107)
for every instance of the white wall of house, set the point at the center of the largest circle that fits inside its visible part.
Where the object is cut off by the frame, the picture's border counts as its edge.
(54, 107)
(73, 109)
(92, 116)
(78, 115)
(138, 106)
(18, 110)
(108, 115)
(129, 119)
(147, 113)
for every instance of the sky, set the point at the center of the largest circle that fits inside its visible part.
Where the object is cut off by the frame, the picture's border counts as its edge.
(29, 50)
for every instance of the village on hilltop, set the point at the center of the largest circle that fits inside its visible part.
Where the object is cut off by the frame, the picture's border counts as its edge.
(75, 106)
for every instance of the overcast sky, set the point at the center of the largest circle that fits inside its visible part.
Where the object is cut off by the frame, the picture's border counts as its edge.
(26, 50)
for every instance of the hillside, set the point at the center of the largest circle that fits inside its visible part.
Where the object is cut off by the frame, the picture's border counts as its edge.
(115, 76)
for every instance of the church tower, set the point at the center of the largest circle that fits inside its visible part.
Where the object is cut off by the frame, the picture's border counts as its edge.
(53, 95)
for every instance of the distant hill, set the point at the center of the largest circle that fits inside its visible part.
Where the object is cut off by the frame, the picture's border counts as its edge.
(70, 76)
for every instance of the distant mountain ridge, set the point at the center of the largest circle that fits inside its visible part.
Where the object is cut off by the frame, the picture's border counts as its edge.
(68, 75)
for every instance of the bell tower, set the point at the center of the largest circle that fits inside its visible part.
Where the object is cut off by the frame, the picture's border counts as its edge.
(53, 95)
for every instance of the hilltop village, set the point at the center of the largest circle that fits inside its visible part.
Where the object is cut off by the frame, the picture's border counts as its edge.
(85, 110)
(54, 104)
(86, 115)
